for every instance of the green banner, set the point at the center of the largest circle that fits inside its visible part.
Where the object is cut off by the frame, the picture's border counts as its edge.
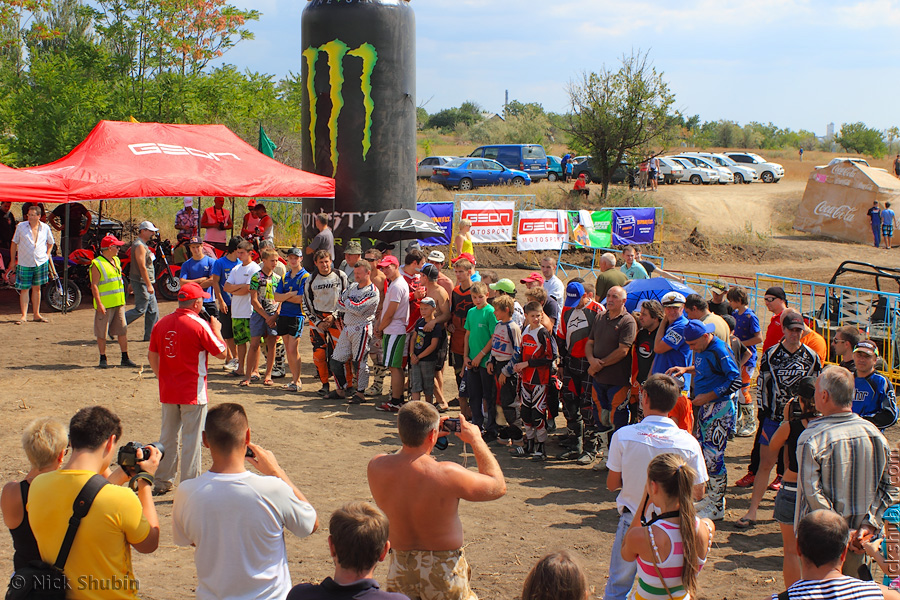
(592, 229)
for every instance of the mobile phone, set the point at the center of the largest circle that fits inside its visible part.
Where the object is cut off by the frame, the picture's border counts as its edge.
(249, 453)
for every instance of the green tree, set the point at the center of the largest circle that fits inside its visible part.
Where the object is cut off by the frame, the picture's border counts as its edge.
(620, 113)
(858, 138)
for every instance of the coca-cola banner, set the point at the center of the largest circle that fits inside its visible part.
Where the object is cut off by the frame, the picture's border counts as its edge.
(491, 221)
(837, 199)
(542, 230)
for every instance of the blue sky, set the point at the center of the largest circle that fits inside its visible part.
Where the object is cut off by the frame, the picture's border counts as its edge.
(797, 63)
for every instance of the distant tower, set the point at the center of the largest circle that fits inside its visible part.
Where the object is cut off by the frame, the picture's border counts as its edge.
(829, 131)
(506, 102)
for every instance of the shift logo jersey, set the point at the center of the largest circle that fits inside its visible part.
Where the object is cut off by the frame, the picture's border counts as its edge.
(323, 293)
(780, 371)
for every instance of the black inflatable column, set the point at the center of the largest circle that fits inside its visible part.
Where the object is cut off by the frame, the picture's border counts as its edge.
(359, 109)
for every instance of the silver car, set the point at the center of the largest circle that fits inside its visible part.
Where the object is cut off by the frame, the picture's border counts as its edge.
(425, 169)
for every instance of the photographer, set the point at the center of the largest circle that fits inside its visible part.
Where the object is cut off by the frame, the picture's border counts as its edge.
(216, 220)
(118, 519)
(179, 348)
(797, 414)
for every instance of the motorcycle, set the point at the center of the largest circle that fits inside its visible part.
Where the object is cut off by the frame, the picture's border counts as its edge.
(56, 292)
(167, 282)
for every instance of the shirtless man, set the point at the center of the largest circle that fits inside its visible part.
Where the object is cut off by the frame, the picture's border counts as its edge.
(421, 497)
(442, 314)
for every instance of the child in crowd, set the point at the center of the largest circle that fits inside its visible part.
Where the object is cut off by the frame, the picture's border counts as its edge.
(557, 576)
(747, 330)
(480, 325)
(505, 287)
(238, 285)
(460, 303)
(532, 364)
(265, 315)
(424, 352)
(506, 342)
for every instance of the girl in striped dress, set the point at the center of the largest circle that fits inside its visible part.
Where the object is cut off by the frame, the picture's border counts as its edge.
(671, 548)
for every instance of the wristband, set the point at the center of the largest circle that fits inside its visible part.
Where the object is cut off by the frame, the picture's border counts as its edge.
(133, 482)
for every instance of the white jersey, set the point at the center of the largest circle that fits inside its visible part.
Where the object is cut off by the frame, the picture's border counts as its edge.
(322, 294)
(359, 305)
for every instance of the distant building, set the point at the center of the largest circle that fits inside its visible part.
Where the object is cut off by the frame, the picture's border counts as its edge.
(491, 116)
(829, 131)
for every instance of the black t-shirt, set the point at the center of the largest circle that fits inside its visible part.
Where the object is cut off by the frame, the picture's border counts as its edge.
(423, 339)
(7, 228)
(719, 308)
(364, 589)
(551, 309)
(643, 353)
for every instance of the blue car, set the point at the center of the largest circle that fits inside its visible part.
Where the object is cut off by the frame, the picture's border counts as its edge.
(470, 173)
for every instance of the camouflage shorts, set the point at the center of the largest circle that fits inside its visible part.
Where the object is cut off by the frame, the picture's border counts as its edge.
(425, 575)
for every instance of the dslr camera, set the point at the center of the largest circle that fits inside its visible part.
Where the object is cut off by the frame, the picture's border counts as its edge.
(128, 459)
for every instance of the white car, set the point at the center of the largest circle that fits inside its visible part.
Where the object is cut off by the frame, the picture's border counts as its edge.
(670, 171)
(741, 173)
(834, 161)
(694, 174)
(768, 172)
(725, 175)
(425, 168)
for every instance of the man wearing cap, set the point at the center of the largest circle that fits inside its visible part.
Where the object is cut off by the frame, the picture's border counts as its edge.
(874, 399)
(391, 325)
(533, 280)
(251, 220)
(780, 370)
(324, 240)
(552, 283)
(186, 218)
(579, 313)
(716, 379)
(810, 337)
(352, 253)
(198, 269)
(180, 346)
(718, 304)
(108, 289)
(670, 347)
(609, 276)
(776, 302)
(436, 257)
(141, 276)
(217, 220)
(476, 276)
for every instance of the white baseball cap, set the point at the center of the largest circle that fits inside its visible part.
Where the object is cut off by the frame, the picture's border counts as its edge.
(147, 225)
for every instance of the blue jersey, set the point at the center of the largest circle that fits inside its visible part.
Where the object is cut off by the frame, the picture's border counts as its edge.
(198, 269)
(679, 356)
(874, 400)
(716, 371)
(222, 267)
(746, 327)
(295, 283)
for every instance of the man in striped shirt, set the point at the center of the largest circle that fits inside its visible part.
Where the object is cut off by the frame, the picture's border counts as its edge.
(843, 461)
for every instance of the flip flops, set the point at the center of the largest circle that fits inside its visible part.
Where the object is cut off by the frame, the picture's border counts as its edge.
(745, 523)
(244, 383)
(268, 383)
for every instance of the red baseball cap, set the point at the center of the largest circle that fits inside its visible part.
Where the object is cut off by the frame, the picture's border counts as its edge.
(533, 277)
(191, 291)
(110, 240)
(465, 255)
(251, 202)
(390, 259)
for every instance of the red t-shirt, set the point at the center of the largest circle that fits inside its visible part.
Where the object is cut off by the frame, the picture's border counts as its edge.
(413, 281)
(580, 184)
(774, 333)
(183, 341)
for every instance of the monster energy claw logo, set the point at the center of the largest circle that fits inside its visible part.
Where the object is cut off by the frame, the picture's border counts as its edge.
(335, 51)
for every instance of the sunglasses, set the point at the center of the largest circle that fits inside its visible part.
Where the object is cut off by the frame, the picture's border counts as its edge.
(770, 298)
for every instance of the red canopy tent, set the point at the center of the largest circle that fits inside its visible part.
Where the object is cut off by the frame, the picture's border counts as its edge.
(147, 160)
(18, 186)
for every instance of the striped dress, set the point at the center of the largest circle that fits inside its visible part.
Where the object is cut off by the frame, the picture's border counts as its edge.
(648, 586)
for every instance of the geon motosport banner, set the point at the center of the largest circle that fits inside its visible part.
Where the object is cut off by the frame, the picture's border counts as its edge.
(542, 230)
(633, 226)
(442, 214)
(491, 221)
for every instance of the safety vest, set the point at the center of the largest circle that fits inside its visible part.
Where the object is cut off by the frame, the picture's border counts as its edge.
(110, 285)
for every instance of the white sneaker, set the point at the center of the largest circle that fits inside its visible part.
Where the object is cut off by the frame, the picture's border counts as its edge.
(709, 510)
(231, 365)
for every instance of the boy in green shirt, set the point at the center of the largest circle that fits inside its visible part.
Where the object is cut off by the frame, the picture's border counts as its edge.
(480, 325)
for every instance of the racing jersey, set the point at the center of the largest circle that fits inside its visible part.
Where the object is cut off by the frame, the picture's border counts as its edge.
(716, 371)
(322, 294)
(506, 341)
(358, 305)
(779, 372)
(460, 303)
(575, 328)
(293, 283)
(264, 284)
(680, 354)
(538, 350)
(874, 400)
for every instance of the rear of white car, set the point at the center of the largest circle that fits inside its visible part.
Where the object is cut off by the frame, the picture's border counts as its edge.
(725, 175)
(694, 174)
(670, 170)
(768, 172)
(741, 173)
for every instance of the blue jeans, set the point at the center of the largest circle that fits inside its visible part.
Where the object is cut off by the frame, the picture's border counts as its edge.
(621, 572)
(144, 304)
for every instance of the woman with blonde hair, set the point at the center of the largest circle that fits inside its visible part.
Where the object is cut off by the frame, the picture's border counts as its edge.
(557, 576)
(45, 442)
(672, 547)
(463, 242)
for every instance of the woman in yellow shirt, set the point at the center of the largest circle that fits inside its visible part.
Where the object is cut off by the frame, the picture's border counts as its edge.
(463, 241)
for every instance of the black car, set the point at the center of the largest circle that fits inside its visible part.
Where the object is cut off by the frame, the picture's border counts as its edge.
(624, 173)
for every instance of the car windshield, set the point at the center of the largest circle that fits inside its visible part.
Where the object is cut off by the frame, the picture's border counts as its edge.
(724, 160)
(456, 162)
(534, 152)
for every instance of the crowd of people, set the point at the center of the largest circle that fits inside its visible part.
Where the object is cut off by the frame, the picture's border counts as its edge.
(652, 397)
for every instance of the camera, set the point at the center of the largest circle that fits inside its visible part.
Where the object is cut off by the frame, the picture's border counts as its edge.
(451, 425)
(128, 460)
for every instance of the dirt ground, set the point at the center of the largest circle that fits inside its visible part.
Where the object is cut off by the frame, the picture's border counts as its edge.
(49, 369)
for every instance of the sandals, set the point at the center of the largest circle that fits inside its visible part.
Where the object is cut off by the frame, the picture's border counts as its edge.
(235, 374)
(42, 320)
(291, 387)
(268, 383)
(745, 523)
(244, 383)
(254, 378)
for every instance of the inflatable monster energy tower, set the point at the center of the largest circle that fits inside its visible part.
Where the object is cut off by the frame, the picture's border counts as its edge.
(359, 109)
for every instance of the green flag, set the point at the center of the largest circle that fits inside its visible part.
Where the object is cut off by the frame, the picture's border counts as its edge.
(266, 146)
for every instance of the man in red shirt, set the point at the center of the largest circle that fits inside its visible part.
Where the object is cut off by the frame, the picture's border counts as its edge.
(776, 302)
(180, 345)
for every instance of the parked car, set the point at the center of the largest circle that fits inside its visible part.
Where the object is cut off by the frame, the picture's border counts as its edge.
(859, 161)
(768, 172)
(470, 173)
(425, 168)
(530, 158)
(670, 170)
(694, 174)
(554, 168)
(741, 173)
(624, 173)
(725, 175)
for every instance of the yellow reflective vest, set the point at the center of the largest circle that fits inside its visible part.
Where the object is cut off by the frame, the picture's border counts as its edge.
(110, 285)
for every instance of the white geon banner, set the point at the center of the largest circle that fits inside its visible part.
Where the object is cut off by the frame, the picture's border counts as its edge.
(491, 221)
(542, 229)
